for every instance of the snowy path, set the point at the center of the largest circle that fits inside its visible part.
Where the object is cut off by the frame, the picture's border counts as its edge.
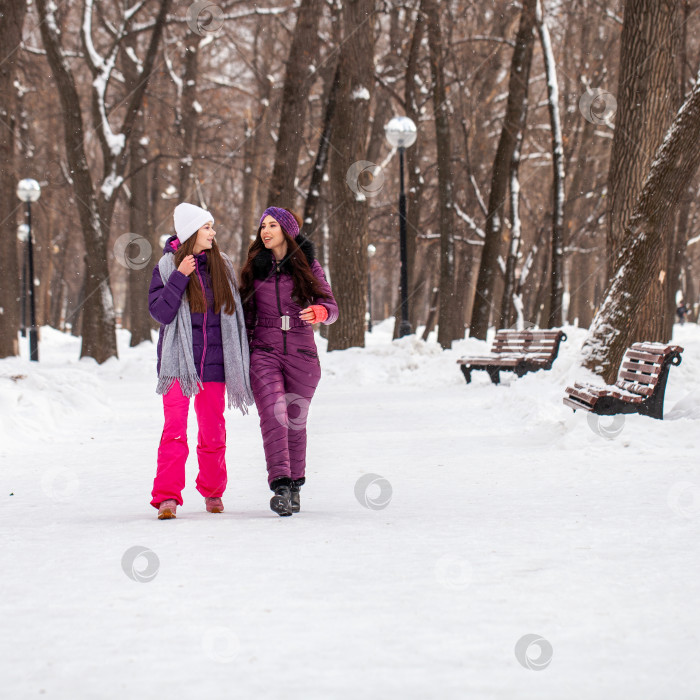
(508, 516)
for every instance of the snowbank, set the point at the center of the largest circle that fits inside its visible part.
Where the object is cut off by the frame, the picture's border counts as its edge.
(444, 527)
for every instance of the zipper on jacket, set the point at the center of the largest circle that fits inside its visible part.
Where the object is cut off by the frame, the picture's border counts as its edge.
(279, 308)
(204, 324)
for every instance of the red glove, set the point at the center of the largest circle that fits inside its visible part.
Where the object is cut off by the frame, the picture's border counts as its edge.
(320, 313)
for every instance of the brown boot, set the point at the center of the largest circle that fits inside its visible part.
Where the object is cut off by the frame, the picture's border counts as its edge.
(214, 505)
(167, 509)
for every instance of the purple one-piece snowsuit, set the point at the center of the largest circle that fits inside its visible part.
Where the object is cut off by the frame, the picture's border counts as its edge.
(284, 364)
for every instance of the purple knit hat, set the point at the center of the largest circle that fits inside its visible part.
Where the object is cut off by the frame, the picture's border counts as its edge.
(283, 218)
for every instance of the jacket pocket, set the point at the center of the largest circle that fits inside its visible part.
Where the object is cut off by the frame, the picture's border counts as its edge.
(310, 354)
(264, 348)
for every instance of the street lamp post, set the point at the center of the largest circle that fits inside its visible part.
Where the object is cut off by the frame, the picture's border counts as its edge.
(22, 233)
(28, 191)
(371, 250)
(401, 133)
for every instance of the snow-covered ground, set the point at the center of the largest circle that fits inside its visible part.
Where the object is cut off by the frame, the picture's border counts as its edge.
(441, 525)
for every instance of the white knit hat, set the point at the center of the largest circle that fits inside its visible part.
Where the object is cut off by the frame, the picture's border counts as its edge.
(189, 218)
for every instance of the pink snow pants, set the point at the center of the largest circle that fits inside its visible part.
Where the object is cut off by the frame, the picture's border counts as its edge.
(211, 443)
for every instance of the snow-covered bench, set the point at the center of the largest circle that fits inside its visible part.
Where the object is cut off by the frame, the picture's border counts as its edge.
(516, 351)
(640, 385)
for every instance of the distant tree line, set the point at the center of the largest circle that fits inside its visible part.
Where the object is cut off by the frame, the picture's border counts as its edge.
(541, 127)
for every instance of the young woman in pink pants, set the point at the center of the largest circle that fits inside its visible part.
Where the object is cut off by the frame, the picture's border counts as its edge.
(284, 292)
(202, 353)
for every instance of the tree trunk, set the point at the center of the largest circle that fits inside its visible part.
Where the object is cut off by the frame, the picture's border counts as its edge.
(299, 75)
(583, 269)
(12, 13)
(677, 251)
(532, 288)
(556, 296)
(415, 181)
(136, 253)
(673, 166)
(507, 300)
(517, 99)
(463, 273)
(679, 242)
(690, 293)
(646, 101)
(58, 289)
(249, 202)
(139, 261)
(348, 247)
(447, 321)
(189, 117)
(314, 195)
(432, 313)
(75, 313)
(254, 150)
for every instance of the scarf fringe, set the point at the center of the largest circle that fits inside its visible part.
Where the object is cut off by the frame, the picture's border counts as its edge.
(190, 385)
(239, 401)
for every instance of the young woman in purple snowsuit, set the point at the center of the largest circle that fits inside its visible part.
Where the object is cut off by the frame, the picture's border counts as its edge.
(284, 292)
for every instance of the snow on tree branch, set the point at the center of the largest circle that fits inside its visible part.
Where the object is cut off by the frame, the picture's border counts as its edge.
(102, 70)
(469, 221)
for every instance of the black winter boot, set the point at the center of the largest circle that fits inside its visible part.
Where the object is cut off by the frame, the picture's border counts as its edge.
(280, 503)
(295, 497)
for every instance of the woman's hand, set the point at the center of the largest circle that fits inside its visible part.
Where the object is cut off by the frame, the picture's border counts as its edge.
(187, 266)
(307, 315)
(314, 314)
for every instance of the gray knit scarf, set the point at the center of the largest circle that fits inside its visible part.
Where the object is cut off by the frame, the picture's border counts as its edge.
(177, 356)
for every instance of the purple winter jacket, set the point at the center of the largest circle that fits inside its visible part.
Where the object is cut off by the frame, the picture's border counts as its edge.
(273, 299)
(164, 302)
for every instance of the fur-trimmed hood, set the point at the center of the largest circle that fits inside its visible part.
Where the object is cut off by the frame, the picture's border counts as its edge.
(264, 260)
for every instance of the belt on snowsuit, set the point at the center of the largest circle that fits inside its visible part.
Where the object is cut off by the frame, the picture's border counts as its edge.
(283, 322)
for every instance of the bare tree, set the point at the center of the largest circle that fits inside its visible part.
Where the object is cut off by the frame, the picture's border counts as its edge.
(299, 75)
(319, 169)
(678, 252)
(447, 331)
(414, 195)
(256, 135)
(329, 70)
(510, 301)
(12, 13)
(96, 203)
(647, 97)
(348, 257)
(674, 164)
(188, 114)
(142, 237)
(517, 101)
(556, 295)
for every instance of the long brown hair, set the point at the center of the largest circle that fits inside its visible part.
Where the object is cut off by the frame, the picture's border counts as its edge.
(306, 285)
(220, 279)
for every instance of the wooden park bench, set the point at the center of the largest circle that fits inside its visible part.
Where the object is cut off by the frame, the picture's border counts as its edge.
(516, 351)
(640, 385)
